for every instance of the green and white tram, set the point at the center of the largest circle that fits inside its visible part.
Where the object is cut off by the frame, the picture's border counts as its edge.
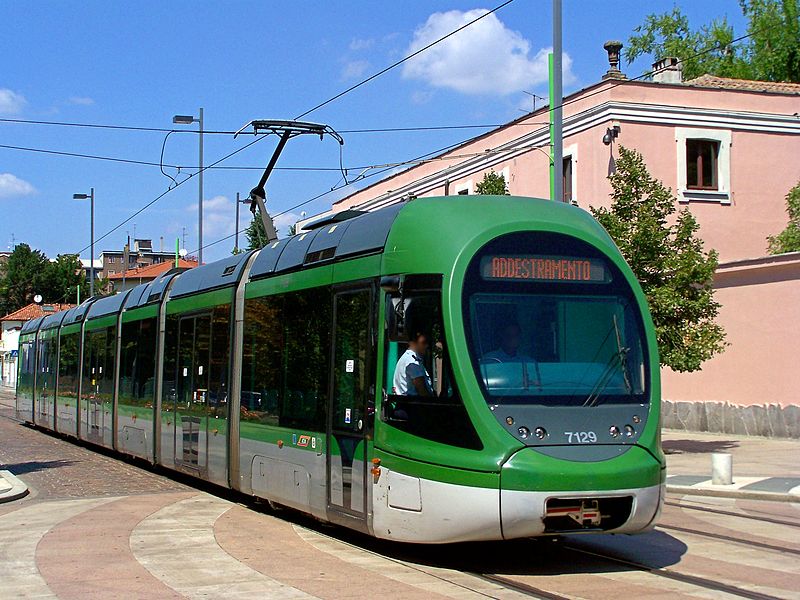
(271, 373)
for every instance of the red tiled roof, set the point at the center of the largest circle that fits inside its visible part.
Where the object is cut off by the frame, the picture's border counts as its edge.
(33, 311)
(154, 270)
(748, 85)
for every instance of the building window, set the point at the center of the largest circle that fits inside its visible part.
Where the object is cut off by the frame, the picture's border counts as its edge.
(701, 164)
(704, 164)
(566, 179)
(465, 188)
(112, 272)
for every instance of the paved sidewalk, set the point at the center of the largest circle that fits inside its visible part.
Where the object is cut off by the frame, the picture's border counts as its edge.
(763, 468)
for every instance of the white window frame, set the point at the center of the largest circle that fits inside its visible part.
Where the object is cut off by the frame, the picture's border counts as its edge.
(506, 173)
(722, 194)
(465, 186)
(571, 151)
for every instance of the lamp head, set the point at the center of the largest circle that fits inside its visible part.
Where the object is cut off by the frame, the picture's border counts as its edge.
(80, 196)
(183, 119)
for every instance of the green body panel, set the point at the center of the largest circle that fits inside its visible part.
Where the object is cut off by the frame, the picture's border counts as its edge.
(137, 314)
(291, 282)
(101, 322)
(416, 245)
(71, 328)
(437, 472)
(200, 301)
(529, 470)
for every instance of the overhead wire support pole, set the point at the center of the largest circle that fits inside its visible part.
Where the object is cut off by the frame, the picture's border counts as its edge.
(557, 106)
(286, 130)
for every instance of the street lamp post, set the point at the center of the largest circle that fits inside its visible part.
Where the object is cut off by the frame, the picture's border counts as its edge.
(90, 196)
(188, 120)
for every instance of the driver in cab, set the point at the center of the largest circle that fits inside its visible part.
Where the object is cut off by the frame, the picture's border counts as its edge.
(510, 341)
(410, 376)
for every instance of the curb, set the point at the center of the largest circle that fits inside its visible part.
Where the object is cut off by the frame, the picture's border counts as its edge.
(723, 493)
(18, 488)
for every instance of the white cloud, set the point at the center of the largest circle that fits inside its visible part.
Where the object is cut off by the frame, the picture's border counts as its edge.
(11, 102)
(354, 68)
(485, 58)
(357, 44)
(12, 186)
(80, 100)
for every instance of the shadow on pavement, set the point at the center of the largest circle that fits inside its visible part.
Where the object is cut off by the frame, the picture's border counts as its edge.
(35, 465)
(569, 554)
(697, 446)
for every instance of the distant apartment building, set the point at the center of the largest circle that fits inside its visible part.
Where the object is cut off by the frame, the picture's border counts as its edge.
(729, 150)
(141, 254)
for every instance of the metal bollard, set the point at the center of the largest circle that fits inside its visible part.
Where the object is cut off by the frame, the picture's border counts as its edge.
(721, 468)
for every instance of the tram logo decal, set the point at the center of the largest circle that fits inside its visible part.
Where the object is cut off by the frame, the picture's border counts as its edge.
(304, 441)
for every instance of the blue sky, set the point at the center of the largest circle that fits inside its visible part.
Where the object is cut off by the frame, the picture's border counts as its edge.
(139, 63)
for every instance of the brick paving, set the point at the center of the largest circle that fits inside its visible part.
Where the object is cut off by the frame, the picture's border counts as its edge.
(57, 468)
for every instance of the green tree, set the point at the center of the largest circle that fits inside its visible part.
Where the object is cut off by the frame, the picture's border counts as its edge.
(492, 184)
(255, 233)
(62, 278)
(770, 53)
(788, 240)
(25, 276)
(668, 259)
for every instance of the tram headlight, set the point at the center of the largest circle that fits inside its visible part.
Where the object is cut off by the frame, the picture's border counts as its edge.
(510, 420)
(540, 432)
(636, 419)
(524, 432)
(629, 430)
(614, 431)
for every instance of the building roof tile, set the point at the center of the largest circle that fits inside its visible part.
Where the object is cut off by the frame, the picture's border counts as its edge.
(33, 311)
(747, 85)
(153, 271)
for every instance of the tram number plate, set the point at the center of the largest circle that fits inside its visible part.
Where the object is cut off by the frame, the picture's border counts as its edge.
(581, 437)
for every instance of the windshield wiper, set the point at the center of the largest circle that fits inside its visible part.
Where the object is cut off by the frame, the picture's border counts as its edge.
(618, 359)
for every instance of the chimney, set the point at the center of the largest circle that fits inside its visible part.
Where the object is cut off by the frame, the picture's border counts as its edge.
(668, 70)
(613, 47)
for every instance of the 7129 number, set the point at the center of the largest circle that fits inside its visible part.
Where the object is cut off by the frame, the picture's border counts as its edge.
(581, 437)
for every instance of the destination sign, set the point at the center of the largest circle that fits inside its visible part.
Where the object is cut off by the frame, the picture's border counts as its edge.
(544, 268)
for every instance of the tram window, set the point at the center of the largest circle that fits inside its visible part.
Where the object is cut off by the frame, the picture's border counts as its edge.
(169, 384)
(285, 359)
(137, 362)
(68, 366)
(261, 360)
(218, 367)
(442, 416)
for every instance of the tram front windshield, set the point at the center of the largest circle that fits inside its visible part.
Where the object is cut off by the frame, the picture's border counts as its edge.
(556, 328)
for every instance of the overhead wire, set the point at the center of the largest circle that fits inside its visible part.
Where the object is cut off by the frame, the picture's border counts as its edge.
(614, 83)
(170, 189)
(402, 60)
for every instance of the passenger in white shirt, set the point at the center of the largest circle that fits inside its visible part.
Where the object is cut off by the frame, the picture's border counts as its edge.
(410, 376)
(510, 341)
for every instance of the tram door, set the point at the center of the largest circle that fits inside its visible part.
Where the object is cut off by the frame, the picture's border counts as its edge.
(191, 399)
(348, 423)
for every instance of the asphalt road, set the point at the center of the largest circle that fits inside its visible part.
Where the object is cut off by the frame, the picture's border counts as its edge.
(95, 526)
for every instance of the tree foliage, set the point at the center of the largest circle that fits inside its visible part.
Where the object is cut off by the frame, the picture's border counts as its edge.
(770, 53)
(788, 240)
(492, 184)
(257, 236)
(668, 259)
(29, 272)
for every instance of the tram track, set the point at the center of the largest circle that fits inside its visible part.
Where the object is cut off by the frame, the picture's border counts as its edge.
(696, 580)
(729, 538)
(729, 513)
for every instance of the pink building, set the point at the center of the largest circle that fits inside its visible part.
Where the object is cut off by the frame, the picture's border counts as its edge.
(730, 151)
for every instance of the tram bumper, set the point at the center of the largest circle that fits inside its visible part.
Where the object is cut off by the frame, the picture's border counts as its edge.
(541, 495)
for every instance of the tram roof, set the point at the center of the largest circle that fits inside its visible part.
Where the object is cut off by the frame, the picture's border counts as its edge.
(219, 274)
(107, 306)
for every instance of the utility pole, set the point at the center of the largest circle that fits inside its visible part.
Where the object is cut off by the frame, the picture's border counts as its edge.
(236, 239)
(556, 101)
(90, 196)
(188, 120)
